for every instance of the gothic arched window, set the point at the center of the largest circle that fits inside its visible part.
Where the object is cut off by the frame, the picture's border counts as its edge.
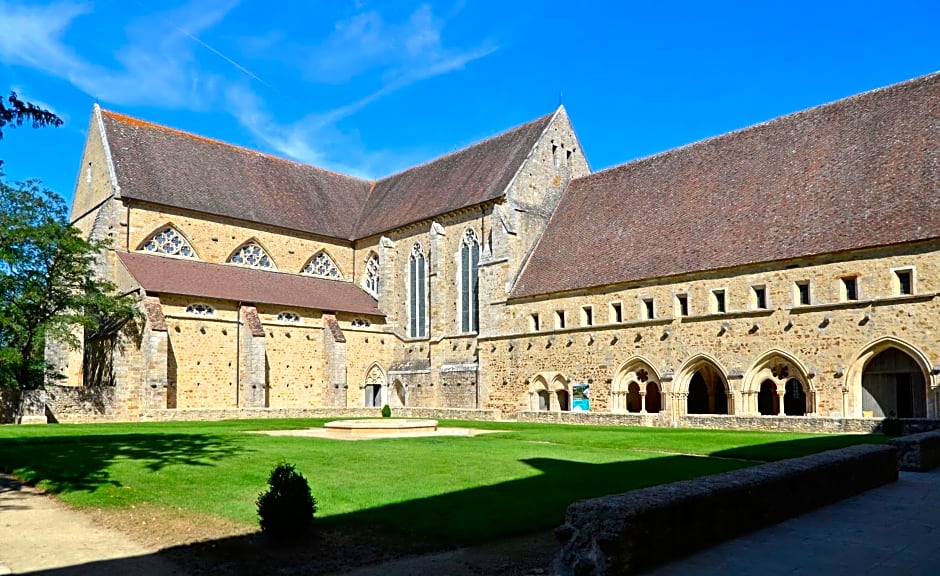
(370, 280)
(169, 241)
(417, 293)
(468, 283)
(323, 266)
(253, 255)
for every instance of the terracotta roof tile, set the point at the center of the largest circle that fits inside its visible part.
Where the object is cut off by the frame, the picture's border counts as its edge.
(464, 178)
(860, 172)
(174, 168)
(159, 275)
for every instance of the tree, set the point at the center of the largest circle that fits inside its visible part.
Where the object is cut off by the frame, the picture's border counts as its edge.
(18, 112)
(48, 285)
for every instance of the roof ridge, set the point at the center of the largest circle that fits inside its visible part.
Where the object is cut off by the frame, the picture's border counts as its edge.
(546, 118)
(506, 132)
(128, 119)
(832, 104)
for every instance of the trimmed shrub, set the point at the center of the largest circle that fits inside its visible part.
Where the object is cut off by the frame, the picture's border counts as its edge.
(286, 509)
(386, 411)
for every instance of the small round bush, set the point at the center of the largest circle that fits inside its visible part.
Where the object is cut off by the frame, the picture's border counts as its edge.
(286, 509)
(386, 411)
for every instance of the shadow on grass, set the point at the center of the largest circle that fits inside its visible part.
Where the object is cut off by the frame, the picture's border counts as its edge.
(526, 506)
(535, 504)
(80, 463)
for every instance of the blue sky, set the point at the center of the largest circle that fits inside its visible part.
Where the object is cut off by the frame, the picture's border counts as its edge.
(369, 88)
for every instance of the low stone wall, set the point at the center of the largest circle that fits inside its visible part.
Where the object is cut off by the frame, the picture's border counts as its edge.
(447, 413)
(918, 452)
(594, 418)
(630, 532)
(726, 422)
(78, 403)
(781, 423)
(211, 414)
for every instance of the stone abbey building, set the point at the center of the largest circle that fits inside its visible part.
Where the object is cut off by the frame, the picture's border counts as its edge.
(786, 273)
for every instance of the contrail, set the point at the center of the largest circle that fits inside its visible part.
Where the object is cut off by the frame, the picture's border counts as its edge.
(192, 37)
(222, 56)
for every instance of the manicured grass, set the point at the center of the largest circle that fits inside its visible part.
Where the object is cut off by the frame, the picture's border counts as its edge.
(446, 490)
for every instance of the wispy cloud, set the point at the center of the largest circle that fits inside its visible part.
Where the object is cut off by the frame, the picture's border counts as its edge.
(157, 66)
(163, 63)
(400, 54)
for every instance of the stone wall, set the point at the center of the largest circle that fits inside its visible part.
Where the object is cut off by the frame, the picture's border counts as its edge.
(824, 345)
(447, 414)
(918, 452)
(631, 532)
(75, 404)
(214, 414)
(216, 238)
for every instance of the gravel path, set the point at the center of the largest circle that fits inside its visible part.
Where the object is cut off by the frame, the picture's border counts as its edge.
(41, 536)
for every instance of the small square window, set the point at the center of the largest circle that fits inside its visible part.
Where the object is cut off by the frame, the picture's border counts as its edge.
(760, 297)
(850, 288)
(587, 316)
(802, 293)
(905, 279)
(719, 301)
(616, 312)
(559, 318)
(534, 323)
(649, 312)
(682, 302)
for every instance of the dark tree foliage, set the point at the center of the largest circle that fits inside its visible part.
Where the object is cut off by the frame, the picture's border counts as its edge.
(48, 286)
(15, 112)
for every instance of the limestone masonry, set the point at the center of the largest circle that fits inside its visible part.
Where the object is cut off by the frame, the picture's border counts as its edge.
(787, 272)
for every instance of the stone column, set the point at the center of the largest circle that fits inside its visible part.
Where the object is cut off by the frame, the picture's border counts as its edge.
(334, 346)
(252, 361)
(155, 348)
(642, 401)
(780, 398)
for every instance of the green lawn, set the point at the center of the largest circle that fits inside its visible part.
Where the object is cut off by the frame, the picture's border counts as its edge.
(447, 490)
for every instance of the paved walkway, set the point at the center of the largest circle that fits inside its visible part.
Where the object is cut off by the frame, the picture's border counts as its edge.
(41, 536)
(892, 530)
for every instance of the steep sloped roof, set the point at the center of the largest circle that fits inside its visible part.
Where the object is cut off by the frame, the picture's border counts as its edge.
(860, 172)
(174, 168)
(161, 275)
(464, 178)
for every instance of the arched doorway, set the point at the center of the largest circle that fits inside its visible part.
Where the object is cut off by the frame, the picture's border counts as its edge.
(544, 400)
(374, 386)
(768, 402)
(708, 392)
(633, 397)
(894, 386)
(794, 398)
(635, 388)
(777, 384)
(549, 391)
(654, 401)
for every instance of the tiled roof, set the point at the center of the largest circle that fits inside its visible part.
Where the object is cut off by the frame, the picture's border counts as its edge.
(166, 166)
(161, 275)
(174, 168)
(860, 172)
(464, 178)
